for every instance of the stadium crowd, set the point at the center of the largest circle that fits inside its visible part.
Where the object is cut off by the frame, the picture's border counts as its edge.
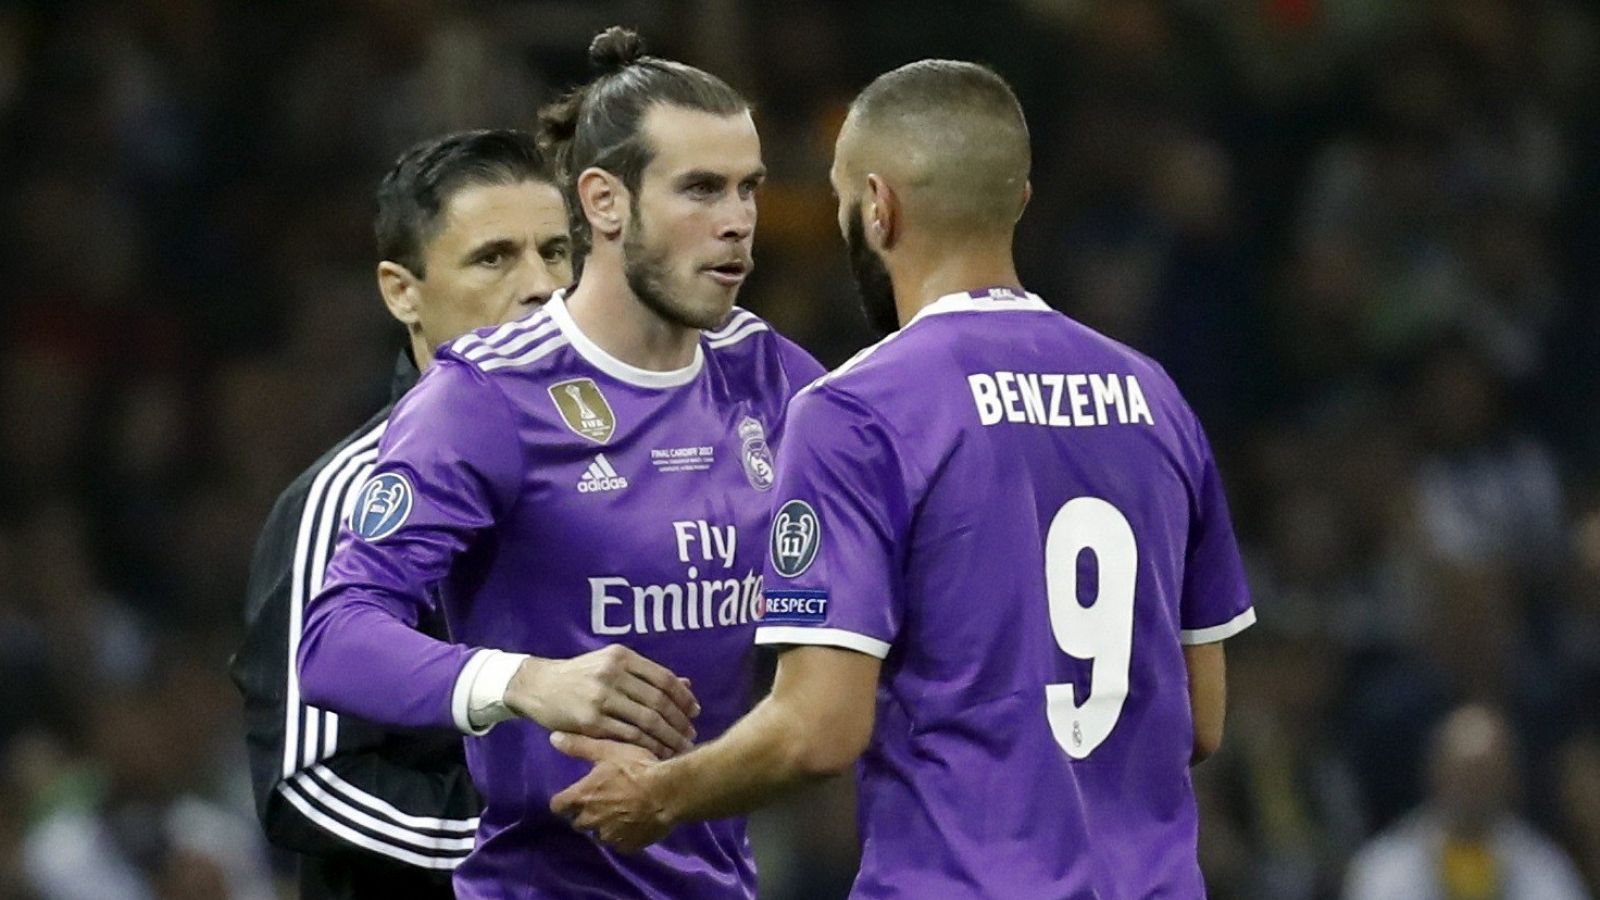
(1361, 235)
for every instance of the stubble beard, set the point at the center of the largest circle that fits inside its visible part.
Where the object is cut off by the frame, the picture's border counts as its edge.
(873, 284)
(648, 271)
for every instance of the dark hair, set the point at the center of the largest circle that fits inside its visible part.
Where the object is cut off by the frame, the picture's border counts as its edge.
(425, 177)
(972, 125)
(598, 124)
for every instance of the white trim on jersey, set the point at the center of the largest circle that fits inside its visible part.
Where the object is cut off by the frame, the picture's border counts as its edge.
(616, 368)
(825, 637)
(514, 344)
(472, 341)
(949, 303)
(737, 319)
(605, 466)
(335, 489)
(538, 352)
(749, 328)
(1192, 637)
(965, 302)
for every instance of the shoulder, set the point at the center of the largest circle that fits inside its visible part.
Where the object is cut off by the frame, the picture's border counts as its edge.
(899, 362)
(525, 345)
(746, 344)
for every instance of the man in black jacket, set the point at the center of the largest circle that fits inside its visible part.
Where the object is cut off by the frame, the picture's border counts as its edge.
(472, 231)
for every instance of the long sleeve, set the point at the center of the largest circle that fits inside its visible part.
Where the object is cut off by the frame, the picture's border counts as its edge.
(449, 467)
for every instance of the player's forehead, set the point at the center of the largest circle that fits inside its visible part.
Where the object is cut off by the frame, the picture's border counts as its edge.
(685, 140)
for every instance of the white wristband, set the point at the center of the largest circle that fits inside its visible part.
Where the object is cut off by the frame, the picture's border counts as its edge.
(481, 690)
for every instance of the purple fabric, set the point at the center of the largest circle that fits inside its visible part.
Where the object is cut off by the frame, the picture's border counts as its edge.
(993, 487)
(535, 537)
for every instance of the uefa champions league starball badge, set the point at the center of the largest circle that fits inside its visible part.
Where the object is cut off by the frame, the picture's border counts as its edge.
(755, 454)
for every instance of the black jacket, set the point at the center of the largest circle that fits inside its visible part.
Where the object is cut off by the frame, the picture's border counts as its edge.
(374, 813)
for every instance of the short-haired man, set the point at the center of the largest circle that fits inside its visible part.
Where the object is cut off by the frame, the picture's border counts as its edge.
(1000, 557)
(598, 472)
(471, 231)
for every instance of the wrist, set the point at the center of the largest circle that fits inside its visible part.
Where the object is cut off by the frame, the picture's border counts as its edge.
(525, 694)
(657, 780)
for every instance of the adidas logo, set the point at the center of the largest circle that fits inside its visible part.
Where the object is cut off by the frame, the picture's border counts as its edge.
(601, 477)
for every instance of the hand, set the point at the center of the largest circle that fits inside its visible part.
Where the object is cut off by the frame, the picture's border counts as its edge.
(609, 693)
(614, 802)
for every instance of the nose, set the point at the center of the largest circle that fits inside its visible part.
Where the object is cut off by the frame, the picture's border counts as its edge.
(740, 222)
(542, 280)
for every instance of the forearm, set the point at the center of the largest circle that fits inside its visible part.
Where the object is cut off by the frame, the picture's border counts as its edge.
(764, 755)
(360, 658)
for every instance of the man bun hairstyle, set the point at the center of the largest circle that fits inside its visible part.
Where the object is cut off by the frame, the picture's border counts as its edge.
(420, 184)
(615, 49)
(598, 125)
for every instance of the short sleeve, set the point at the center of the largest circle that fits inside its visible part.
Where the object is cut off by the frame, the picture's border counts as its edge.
(801, 367)
(838, 518)
(1216, 599)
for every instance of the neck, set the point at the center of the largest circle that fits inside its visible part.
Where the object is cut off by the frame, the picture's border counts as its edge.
(926, 273)
(609, 313)
(421, 351)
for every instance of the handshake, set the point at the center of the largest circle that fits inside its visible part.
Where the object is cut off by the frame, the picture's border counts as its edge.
(622, 712)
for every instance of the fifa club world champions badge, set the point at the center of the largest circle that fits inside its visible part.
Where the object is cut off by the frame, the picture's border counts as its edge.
(584, 409)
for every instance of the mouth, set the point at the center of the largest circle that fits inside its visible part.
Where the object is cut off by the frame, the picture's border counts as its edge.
(730, 273)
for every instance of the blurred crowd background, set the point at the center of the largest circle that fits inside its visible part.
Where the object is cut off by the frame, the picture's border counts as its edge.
(1363, 235)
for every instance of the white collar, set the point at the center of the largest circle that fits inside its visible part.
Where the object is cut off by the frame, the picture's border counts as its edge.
(616, 368)
(997, 299)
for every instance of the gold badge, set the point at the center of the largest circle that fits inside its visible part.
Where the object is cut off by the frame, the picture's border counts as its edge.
(584, 408)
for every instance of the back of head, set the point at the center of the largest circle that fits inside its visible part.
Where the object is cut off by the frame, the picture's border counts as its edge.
(952, 137)
(599, 124)
(418, 188)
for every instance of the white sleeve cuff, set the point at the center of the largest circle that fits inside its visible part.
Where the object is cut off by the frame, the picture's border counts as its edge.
(1195, 636)
(478, 703)
(827, 637)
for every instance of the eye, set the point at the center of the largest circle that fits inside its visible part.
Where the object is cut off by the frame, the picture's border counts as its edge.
(749, 188)
(493, 259)
(702, 189)
(555, 254)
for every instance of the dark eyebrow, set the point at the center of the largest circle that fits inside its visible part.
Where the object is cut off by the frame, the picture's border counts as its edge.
(487, 248)
(695, 176)
(758, 175)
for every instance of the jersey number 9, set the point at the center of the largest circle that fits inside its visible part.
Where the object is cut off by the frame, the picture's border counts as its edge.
(1100, 633)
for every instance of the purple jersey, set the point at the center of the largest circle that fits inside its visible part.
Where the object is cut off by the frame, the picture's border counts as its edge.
(1022, 518)
(551, 499)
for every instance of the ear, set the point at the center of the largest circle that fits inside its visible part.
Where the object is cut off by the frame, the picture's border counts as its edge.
(400, 293)
(1027, 196)
(883, 218)
(603, 200)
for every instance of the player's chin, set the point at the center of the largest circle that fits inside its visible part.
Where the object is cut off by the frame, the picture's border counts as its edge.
(711, 304)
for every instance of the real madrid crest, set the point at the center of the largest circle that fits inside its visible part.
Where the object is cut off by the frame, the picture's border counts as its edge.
(755, 454)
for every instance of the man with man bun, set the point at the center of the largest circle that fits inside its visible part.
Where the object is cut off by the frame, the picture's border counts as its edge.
(591, 481)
